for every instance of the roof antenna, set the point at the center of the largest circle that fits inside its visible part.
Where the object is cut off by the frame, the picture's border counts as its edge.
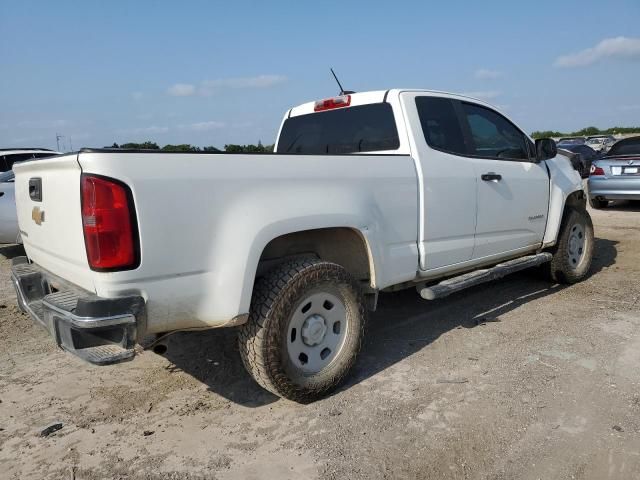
(342, 90)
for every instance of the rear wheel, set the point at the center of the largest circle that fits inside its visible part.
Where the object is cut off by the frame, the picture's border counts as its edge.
(597, 203)
(305, 329)
(574, 251)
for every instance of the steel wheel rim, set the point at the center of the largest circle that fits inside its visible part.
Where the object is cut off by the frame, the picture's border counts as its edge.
(576, 249)
(316, 332)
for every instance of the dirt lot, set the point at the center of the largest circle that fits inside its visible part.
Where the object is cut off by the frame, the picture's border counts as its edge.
(515, 379)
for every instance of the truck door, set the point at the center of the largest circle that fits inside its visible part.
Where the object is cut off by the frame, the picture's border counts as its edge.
(447, 180)
(513, 190)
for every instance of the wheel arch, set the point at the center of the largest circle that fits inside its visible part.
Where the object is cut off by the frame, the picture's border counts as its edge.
(565, 189)
(345, 246)
(558, 213)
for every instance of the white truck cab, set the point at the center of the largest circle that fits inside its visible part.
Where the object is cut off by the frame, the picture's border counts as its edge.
(365, 192)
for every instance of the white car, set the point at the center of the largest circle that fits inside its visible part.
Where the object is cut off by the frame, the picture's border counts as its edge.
(8, 218)
(600, 143)
(366, 193)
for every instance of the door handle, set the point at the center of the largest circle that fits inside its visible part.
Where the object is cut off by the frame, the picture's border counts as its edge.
(1, 194)
(488, 177)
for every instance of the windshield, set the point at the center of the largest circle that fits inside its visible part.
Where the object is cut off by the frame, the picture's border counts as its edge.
(365, 128)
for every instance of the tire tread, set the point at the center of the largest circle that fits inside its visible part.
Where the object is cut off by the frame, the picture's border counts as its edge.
(273, 294)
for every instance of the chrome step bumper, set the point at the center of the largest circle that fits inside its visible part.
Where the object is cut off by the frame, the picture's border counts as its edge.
(99, 330)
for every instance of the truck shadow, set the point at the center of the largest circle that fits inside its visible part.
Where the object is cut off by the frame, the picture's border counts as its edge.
(625, 206)
(11, 251)
(402, 325)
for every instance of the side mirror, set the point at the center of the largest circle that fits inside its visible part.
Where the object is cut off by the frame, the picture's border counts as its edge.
(545, 149)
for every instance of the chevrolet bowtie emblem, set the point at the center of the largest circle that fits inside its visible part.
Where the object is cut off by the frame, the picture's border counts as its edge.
(37, 215)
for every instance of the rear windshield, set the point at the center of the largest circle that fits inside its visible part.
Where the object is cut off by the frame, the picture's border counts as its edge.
(629, 146)
(366, 128)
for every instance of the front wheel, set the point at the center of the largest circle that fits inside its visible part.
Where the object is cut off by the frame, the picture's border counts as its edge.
(305, 329)
(574, 251)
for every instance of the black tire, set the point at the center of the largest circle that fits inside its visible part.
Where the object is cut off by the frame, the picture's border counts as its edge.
(597, 203)
(277, 300)
(570, 264)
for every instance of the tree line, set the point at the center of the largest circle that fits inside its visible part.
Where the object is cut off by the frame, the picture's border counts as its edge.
(186, 147)
(585, 132)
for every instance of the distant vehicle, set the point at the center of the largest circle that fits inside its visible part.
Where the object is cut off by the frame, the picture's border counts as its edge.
(586, 155)
(568, 141)
(600, 143)
(9, 156)
(9, 232)
(616, 176)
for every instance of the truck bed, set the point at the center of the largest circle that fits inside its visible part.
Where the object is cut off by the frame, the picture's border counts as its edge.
(204, 220)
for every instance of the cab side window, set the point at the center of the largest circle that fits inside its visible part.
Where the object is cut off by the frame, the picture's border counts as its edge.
(492, 135)
(440, 124)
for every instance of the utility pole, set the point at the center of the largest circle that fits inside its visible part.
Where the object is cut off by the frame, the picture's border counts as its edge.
(58, 137)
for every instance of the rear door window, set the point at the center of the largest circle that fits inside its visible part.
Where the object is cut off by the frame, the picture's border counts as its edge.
(364, 128)
(492, 135)
(440, 124)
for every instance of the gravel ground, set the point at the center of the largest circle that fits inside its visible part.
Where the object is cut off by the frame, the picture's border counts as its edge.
(514, 379)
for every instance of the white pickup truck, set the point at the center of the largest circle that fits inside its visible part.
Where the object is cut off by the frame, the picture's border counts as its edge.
(366, 193)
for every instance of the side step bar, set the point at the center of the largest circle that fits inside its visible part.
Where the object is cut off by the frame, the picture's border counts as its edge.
(471, 279)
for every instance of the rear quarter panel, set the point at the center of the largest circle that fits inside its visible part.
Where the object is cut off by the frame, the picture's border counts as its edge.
(204, 221)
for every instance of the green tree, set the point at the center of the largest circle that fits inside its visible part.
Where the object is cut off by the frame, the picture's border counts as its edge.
(232, 148)
(546, 134)
(140, 146)
(184, 147)
(585, 132)
(250, 148)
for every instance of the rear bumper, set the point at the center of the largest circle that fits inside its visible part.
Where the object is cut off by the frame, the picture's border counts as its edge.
(99, 330)
(614, 188)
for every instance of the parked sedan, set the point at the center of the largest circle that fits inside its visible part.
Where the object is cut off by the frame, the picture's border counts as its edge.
(616, 176)
(586, 155)
(9, 232)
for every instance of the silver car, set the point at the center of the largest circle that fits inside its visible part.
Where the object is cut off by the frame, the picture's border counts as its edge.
(616, 176)
(8, 217)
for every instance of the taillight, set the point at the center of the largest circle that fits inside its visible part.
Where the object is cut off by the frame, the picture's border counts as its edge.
(331, 103)
(110, 234)
(595, 170)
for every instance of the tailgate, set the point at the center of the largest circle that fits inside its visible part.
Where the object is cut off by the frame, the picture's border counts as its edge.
(51, 223)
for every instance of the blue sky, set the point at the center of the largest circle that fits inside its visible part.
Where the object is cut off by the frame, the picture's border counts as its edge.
(210, 73)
